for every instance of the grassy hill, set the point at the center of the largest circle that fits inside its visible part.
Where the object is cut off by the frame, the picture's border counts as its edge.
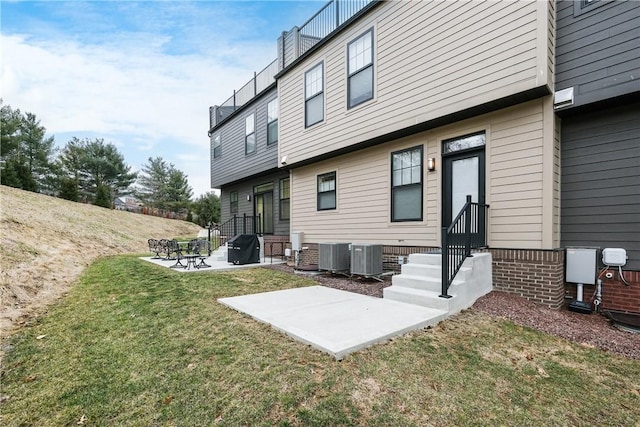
(46, 242)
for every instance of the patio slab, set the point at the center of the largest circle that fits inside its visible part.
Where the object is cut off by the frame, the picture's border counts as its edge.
(215, 265)
(334, 321)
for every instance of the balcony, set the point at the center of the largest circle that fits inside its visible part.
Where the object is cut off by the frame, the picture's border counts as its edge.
(291, 46)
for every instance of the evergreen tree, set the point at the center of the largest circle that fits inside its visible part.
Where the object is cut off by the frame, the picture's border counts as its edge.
(161, 185)
(97, 168)
(207, 209)
(27, 155)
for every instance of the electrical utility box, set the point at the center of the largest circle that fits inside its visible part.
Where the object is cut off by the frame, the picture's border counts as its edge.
(333, 257)
(581, 264)
(296, 240)
(614, 257)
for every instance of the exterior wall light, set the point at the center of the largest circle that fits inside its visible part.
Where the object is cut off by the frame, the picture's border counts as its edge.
(248, 197)
(431, 164)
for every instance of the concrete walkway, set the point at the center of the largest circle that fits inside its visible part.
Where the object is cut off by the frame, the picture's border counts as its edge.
(334, 321)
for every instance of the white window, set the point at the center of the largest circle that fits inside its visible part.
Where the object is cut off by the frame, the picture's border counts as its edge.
(250, 134)
(272, 122)
(217, 146)
(314, 96)
(360, 69)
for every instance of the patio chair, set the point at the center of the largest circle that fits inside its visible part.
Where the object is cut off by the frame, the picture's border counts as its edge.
(163, 245)
(173, 247)
(154, 246)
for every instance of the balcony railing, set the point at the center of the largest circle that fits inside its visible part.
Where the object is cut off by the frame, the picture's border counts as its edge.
(327, 20)
(296, 42)
(246, 93)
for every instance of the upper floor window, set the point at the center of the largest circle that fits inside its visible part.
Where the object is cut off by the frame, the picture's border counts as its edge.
(217, 146)
(250, 134)
(360, 69)
(406, 185)
(272, 121)
(233, 202)
(285, 196)
(327, 191)
(314, 96)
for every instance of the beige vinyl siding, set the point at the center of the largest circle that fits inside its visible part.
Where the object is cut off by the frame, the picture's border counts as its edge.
(430, 59)
(515, 151)
(515, 169)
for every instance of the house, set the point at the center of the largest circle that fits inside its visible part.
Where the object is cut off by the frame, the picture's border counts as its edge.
(597, 70)
(244, 162)
(391, 113)
(127, 203)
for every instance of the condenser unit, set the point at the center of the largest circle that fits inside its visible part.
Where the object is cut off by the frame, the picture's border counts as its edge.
(333, 257)
(366, 259)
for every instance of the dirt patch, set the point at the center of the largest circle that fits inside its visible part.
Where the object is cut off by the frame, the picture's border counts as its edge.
(46, 242)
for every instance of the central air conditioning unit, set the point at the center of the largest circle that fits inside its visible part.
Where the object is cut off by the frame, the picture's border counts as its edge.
(366, 260)
(333, 257)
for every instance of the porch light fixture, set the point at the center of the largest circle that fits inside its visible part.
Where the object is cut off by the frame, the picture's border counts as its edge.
(248, 197)
(431, 164)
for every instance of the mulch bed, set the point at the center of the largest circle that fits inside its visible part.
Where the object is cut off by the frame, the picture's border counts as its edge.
(590, 330)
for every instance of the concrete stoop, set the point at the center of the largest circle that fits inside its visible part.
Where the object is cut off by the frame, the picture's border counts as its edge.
(220, 254)
(420, 282)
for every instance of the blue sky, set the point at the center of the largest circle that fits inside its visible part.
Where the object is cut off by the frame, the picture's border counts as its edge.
(141, 75)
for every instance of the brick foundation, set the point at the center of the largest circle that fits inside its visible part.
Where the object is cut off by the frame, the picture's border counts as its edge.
(615, 294)
(275, 245)
(537, 275)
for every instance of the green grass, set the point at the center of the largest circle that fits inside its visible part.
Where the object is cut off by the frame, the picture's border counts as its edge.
(136, 344)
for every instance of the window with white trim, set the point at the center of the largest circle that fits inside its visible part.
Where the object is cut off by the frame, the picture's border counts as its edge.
(406, 185)
(272, 121)
(360, 69)
(217, 146)
(250, 134)
(313, 96)
(327, 191)
(285, 197)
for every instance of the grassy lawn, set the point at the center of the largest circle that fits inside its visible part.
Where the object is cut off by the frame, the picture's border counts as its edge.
(137, 344)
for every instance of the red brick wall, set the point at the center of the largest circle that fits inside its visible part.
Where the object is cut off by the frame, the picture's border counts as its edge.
(537, 275)
(275, 245)
(615, 294)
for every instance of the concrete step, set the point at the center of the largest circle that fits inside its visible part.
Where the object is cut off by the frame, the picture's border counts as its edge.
(423, 283)
(416, 282)
(429, 259)
(435, 271)
(418, 297)
(220, 254)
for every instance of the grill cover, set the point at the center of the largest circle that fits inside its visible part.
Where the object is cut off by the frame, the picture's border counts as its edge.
(244, 249)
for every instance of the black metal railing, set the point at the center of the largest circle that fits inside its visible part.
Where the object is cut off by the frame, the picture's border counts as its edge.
(260, 81)
(327, 20)
(324, 22)
(219, 234)
(467, 231)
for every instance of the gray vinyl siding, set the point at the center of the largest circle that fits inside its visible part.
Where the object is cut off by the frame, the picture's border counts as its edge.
(598, 49)
(601, 181)
(233, 165)
(244, 189)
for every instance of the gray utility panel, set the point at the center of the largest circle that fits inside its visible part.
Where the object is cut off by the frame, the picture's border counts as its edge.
(581, 265)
